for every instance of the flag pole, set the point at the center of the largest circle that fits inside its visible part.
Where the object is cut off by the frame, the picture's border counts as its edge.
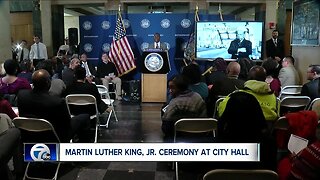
(119, 14)
(220, 12)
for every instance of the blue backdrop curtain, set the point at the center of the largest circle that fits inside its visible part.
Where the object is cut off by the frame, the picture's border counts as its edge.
(96, 34)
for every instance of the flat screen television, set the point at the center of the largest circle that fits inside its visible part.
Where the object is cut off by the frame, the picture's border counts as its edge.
(229, 40)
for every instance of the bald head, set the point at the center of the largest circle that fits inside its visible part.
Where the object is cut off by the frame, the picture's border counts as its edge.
(257, 73)
(233, 69)
(41, 80)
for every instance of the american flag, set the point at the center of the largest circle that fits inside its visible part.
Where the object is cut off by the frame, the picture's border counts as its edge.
(120, 52)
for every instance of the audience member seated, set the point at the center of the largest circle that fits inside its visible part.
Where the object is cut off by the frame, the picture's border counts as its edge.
(68, 74)
(303, 124)
(57, 87)
(9, 141)
(26, 70)
(312, 88)
(257, 86)
(90, 69)
(193, 76)
(306, 165)
(288, 74)
(224, 86)
(58, 66)
(107, 72)
(218, 71)
(245, 65)
(80, 86)
(11, 84)
(39, 104)
(243, 122)
(185, 104)
(6, 108)
(270, 65)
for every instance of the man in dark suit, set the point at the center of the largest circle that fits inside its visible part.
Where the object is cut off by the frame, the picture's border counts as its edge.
(90, 69)
(157, 44)
(275, 46)
(240, 47)
(38, 103)
(224, 86)
(312, 88)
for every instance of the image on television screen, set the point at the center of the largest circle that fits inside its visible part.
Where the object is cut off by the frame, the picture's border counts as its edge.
(229, 40)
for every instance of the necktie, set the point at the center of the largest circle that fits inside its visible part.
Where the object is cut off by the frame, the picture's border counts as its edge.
(275, 42)
(38, 51)
(157, 45)
(87, 69)
(21, 55)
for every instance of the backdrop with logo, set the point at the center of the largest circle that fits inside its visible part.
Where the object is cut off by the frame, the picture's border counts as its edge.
(96, 34)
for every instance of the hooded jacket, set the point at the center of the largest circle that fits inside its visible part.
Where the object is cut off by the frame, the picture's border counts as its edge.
(267, 100)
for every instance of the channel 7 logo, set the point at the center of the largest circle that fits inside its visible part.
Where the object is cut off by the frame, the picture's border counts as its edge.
(40, 152)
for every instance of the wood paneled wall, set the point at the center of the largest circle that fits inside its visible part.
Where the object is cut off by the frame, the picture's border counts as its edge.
(21, 27)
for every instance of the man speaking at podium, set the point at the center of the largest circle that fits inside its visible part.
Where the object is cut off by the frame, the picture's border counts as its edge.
(157, 44)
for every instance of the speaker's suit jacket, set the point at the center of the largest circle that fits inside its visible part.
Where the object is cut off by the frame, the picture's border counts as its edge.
(163, 46)
(236, 44)
(272, 50)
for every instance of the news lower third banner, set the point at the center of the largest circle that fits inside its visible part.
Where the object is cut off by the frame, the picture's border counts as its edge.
(142, 152)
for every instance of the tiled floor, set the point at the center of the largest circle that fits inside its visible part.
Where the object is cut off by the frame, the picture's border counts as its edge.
(137, 123)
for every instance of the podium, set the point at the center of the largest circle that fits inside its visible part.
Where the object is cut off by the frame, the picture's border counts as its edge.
(154, 75)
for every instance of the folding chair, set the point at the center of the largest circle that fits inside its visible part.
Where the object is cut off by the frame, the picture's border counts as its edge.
(215, 113)
(33, 126)
(292, 90)
(77, 102)
(293, 104)
(315, 106)
(106, 99)
(193, 126)
(235, 174)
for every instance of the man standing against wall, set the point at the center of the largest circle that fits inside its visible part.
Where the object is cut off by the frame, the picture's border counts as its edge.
(38, 51)
(275, 46)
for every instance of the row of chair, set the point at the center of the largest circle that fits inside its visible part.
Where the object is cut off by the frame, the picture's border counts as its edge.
(86, 100)
(287, 104)
(204, 125)
(41, 125)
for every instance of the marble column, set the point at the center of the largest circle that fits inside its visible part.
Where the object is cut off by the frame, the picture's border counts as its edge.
(5, 31)
(57, 27)
(36, 18)
(271, 16)
(46, 25)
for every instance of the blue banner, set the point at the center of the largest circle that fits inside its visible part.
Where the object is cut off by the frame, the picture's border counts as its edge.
(96, 34)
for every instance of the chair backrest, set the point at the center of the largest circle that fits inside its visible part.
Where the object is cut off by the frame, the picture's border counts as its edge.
(103, 91)
(11, 98)
(295, 101)
(290, 90)
(281, 123)
(315, 106)
(195, 125)
(293, 104)
(34, 125)
(234, 174)
(215, 112)
(76, 103)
